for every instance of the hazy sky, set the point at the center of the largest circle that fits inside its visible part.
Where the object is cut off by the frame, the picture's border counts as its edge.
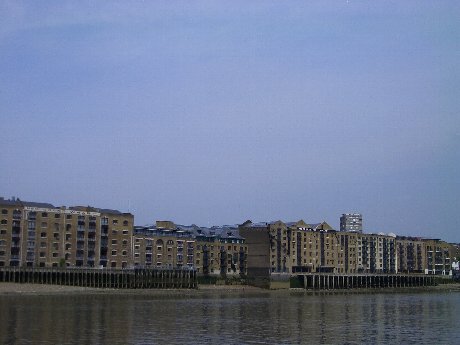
(212, 112)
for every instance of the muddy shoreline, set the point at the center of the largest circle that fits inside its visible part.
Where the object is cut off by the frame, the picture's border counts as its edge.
(43, 289)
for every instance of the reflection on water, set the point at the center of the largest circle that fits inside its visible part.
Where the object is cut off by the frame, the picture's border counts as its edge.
(232, 318)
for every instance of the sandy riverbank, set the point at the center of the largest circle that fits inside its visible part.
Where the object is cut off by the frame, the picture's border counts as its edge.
(43, 289)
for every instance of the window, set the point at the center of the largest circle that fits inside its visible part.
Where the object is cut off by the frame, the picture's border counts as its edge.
(114, 241)
(124, 252)
(2, 232)
(4, 211)
(4, 221)
(55, 255)
(125, 223)
(44, 214)
(42, 254)
(125, 232)
(114, 232)
(125, 242)
(43, 234)
(69, 216)
(43, 244)
(114, 252)
(57, 215)
(115, 221)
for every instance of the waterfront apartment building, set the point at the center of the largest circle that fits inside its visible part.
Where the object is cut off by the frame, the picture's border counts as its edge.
(301, 247)
(411, 254)
(351, 222)
(377, 253)
(215, 251)
(439, 257)
(42, 235)
(279, 248)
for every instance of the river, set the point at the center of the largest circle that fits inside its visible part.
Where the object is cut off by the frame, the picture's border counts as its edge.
(212, 317)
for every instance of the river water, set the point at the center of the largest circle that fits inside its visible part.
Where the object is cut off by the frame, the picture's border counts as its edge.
(216, 317)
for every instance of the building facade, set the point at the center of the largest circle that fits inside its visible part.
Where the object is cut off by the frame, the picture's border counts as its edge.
(216, 251)
(300, 247)
(42, 235)
(439, 257)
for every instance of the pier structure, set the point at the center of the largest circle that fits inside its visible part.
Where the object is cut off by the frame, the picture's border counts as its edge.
(103, 278)
(322, 281)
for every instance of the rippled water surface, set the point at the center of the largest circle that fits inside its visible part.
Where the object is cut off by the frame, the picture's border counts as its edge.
(279, 317)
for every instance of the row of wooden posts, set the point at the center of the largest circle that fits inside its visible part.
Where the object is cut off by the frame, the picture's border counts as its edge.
(180, 279)
(332, 281)
(102, 278)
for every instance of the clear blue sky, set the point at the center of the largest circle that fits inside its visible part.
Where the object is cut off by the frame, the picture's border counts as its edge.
(214, 112)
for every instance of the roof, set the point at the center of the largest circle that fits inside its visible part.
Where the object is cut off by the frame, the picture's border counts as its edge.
(110, 211)
(18, 202)
(258, 225)
(193, 231)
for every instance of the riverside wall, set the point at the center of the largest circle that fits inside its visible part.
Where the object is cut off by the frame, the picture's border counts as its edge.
(102, 278)
(366, 281)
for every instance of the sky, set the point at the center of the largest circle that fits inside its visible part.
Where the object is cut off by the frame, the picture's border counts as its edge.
(213, 112)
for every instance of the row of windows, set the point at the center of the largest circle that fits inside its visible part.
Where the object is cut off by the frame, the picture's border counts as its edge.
(68, 216)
